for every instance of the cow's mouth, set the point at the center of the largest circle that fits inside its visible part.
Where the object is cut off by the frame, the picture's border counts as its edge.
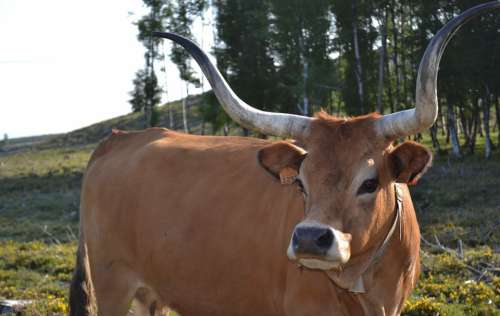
(318, 264)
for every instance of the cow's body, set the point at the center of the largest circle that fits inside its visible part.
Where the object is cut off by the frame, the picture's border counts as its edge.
(197, 221)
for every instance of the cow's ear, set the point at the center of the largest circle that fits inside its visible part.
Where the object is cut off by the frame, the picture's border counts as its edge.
(409, 161)
(282, 160)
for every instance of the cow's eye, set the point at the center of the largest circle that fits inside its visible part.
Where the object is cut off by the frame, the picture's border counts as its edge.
(368, 186)
(300, 185)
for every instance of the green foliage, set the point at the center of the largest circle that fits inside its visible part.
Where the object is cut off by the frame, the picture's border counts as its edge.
(180, 22)
(147, 94)
(345, 16)
(146, 90)
(301, 45)
(423, 307)
(244, 56)
(448, 287)
(39, 272)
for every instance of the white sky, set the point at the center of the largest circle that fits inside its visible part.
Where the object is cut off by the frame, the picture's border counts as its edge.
(65, 64)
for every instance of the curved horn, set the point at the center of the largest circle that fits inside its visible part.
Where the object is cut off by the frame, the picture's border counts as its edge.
(424, 114)
(278, 124)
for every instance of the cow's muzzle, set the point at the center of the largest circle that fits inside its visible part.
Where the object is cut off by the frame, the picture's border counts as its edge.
(319, 246)
(312, 241)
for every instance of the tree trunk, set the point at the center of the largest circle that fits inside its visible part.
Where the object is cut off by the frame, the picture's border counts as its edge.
(497, 112)
(435, 142)
(185, 110)
(381, 63)
(463, 125)
(495, 124)
(171, 117)
(474, 127)
(413, 69)
(480, 126)
(170, 111)
(402, 73)
(443, 123)
(447, 127)
(452, 128)
(148, 108)
(359, 69)
(390, 95)
(486, 123)
(395, 56)
(417, 137)
(148, 114)
(150, 71)
(304, 109)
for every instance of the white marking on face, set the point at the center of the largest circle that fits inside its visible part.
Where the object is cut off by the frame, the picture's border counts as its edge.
(367, 170)
(338, 254)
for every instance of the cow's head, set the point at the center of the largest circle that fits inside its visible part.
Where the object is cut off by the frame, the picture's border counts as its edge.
(346, 167)
(347, 180)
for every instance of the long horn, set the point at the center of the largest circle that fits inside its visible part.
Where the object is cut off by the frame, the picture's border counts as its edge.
(278, 124)
(424, 114)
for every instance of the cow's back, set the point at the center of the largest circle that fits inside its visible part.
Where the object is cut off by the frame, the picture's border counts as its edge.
(194, 218)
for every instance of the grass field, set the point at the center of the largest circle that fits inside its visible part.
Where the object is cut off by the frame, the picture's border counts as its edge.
(457, 202)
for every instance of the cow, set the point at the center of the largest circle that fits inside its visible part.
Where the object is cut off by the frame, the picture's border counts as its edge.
(209, 225)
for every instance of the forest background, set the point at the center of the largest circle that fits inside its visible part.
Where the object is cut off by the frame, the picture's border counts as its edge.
(346, 57)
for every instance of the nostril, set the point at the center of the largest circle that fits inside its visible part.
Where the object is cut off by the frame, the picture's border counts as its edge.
(325, 240)
(295, 240)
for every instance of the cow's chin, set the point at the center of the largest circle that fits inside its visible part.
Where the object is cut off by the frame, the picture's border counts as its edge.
(317, 264)
(330, 262)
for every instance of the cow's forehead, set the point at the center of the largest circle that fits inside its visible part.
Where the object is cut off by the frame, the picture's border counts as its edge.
(344, 143)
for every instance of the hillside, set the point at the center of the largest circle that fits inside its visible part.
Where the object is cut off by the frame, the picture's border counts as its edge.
(168, 113)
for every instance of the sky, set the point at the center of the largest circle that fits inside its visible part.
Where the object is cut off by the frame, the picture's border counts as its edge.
(65, 64)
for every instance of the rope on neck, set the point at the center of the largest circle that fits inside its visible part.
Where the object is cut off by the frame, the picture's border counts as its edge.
(399, 210)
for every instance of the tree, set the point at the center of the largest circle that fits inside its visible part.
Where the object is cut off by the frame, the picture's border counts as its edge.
(180, 22)
(145, 91)
(243, 52)
(356, 36)
(382, 14)
(297, 56)
(301, 47)
(147, 94)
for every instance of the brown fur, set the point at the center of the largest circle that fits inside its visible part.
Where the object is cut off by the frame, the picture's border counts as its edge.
(200, 224)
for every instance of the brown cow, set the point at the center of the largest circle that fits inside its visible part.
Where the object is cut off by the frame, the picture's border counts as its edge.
(218, 225)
